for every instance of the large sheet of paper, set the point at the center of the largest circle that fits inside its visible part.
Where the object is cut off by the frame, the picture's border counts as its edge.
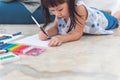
(33, 40)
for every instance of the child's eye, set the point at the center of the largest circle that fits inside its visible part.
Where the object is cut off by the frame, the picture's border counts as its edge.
(60, 9)
(52, 10)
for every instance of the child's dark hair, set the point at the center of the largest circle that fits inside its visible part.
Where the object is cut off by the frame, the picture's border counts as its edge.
(52, 3)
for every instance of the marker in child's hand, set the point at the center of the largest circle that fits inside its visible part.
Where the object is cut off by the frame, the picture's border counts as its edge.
(17, 33)
(40, 27)
(48, 37)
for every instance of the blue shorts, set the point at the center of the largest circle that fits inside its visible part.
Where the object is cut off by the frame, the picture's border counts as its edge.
(112, 21)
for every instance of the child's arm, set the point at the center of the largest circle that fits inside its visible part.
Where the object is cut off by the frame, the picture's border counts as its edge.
(76, 35)
(53, 30)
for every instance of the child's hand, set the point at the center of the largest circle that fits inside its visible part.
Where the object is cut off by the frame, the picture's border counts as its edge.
(42, 36)
(55, 41)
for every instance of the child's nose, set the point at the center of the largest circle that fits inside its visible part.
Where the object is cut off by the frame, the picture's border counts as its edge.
(58, 14)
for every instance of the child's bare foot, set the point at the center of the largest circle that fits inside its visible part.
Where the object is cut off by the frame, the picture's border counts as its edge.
(117, 15)
(108, 11)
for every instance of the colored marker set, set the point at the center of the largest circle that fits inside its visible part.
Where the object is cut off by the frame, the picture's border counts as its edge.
(8, 57)
(4, 37)
(20, 49)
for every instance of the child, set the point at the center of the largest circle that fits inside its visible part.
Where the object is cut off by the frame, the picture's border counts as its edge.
(73, 18)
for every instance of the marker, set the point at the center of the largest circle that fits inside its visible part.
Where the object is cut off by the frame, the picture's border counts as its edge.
(39, 25)
(17, 33)
(1, 42)
(3, 51)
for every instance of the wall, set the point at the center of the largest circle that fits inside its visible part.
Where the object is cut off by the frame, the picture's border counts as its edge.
(113, 5)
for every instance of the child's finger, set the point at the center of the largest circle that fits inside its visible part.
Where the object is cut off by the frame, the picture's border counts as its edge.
(59, 44)
(54, 42)
(50, 43)
(42, 36)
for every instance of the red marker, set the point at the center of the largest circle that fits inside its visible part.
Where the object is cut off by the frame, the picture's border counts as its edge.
(2, 51)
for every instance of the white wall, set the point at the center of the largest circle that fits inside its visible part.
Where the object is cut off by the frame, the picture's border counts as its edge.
(112, 5)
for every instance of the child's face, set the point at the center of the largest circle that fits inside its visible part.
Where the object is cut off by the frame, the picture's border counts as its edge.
(61, 10)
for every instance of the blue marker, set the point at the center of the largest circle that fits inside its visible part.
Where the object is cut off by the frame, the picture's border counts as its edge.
(1, 43)
(18, 33)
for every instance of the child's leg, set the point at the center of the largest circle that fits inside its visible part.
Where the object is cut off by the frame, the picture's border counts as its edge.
(108, 11)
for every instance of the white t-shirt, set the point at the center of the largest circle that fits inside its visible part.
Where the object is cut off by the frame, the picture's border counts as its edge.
(96, 22)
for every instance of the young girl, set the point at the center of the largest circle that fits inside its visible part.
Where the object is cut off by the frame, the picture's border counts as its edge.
(73, 18)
